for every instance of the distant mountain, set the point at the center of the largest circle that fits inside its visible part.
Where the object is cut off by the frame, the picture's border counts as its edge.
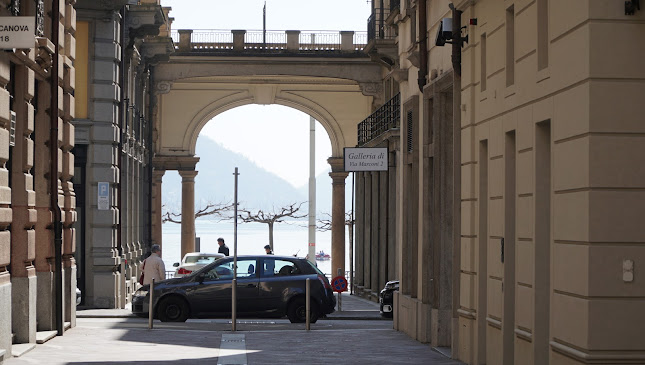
(214, 183)
(323, 192)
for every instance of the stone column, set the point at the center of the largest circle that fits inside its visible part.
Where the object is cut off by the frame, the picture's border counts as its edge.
(338, 177)
(188, 211)
(157, 176)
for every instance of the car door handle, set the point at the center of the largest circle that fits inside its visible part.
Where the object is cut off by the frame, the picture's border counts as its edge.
(251, 285)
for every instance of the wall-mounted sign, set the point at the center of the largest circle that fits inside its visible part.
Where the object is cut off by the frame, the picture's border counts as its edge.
(103, 200)
(17, 32)
(365, 159)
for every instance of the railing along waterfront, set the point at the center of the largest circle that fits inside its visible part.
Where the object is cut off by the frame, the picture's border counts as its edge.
(290, 40)
(385, 118)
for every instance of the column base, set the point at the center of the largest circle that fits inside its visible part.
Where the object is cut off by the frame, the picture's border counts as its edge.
(45, 312)
(105, 287)
(23, 305)
(69, 299)
(5, 320)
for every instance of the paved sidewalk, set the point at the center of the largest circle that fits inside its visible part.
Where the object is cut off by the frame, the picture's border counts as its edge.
(115, 337)
(353, 307)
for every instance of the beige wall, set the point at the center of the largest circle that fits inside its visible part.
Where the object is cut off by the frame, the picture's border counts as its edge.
(579, 204)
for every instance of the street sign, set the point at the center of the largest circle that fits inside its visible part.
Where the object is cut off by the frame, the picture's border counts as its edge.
(339, 284)
(365, 159)
(103, 201)
(17, 32)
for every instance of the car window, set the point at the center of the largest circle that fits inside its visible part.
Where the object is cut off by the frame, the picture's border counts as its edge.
(276, 267)
(224, 270)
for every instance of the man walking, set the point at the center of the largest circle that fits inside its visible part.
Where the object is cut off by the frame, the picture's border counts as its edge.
(154, 267)
(222, 247)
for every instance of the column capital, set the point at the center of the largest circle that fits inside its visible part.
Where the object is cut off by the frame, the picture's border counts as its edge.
(187, 175)
(337, 164)
(157, 175)
(338, 177)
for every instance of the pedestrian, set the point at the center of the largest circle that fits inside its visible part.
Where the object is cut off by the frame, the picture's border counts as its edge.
(222, 247)
(267, 249)
(153, 266)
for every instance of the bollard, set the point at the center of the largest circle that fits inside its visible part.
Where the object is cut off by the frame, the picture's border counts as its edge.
(308, 305)
(150, 314)
(234, 305)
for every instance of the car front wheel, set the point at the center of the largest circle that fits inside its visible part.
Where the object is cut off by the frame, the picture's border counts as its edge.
(173, 309)
(297, 311)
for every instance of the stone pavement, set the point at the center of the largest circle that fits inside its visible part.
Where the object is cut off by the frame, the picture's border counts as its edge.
(356, 335)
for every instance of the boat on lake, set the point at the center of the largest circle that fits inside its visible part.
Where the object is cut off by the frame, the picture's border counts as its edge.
(322, 256)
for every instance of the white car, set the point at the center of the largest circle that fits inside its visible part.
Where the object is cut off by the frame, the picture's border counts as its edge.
(193, 261)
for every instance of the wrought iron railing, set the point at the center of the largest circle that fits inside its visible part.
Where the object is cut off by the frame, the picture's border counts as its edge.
(376, 26)
(385, 118)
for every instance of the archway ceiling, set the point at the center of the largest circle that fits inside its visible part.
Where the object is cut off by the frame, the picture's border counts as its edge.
(189, 103)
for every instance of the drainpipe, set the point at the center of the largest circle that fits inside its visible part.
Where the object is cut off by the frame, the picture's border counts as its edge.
(122, 114)
(53, 176)
(457, 40)
(151, 90)
(423, 44)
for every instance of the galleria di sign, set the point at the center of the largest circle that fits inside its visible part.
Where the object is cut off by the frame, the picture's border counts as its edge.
(365, 159)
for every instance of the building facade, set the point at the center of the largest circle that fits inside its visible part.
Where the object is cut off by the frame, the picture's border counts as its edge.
(37, 200)
(118, 44)
(517, 160)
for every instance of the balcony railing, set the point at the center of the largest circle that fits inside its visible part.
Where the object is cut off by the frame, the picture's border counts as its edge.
(291, 40)
(385, 118)
(376, 26)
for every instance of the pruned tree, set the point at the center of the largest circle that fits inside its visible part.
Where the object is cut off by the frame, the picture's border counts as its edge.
(216, 209)
(271, 217)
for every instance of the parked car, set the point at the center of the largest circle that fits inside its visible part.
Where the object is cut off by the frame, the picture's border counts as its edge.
(194, 261)
(386, 298)
(267, 285)
(78, 296)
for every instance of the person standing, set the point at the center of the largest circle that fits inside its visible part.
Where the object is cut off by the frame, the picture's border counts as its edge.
(223, 249)
(154, 267)
(267, 249)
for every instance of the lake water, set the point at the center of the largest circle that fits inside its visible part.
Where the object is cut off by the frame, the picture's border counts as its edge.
(288, 239)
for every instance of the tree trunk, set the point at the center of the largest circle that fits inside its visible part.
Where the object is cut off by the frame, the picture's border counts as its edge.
(271, 235)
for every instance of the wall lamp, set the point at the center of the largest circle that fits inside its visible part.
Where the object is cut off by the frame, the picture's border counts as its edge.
(631, 6)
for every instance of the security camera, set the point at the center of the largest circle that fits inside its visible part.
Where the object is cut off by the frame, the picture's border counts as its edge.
(445, 32)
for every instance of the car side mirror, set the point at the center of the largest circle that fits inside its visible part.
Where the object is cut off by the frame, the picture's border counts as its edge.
(176, 264)
(200, 277)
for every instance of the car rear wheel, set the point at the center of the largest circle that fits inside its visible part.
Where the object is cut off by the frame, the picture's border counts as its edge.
(297, 311)
(173, 309)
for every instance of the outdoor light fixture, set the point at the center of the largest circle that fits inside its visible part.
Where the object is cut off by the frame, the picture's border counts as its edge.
(448, 34)
(445, 34)
(631, 6)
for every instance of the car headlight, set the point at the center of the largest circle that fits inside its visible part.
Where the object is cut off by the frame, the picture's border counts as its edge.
(140, 293)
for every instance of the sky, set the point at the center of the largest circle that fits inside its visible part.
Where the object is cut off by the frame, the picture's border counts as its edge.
(255, 130)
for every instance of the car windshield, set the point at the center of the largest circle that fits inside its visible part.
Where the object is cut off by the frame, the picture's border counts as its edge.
(200, 259)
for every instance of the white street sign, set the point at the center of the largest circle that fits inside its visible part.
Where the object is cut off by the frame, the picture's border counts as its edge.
(17, 32)
(365, 159)
(103, 196)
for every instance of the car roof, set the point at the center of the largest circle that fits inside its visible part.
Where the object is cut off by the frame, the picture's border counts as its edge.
(267, 256)
(203, 254)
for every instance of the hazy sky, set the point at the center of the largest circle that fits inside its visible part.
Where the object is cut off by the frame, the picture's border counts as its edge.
(257, 131)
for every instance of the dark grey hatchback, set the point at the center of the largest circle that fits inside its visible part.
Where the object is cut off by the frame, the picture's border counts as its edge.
(267, 285)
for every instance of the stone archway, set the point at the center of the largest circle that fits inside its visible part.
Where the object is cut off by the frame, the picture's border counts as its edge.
(186, 105)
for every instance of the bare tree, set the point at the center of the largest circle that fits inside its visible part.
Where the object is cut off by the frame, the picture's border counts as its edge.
(217, 209)
(272, 217)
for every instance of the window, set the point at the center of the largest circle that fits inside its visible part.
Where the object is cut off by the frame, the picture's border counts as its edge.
(510, 46)
(273, 267)
(224, 270)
